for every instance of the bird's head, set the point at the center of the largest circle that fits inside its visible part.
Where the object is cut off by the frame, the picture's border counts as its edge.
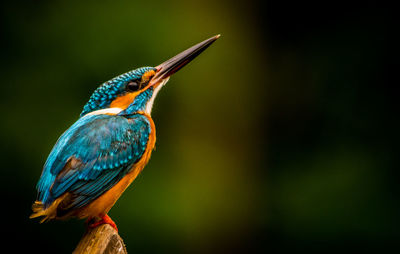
(136, 90)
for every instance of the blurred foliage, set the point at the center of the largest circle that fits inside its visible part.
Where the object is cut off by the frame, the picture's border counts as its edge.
(279, 137)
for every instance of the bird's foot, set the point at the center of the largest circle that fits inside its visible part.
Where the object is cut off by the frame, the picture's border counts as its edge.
(104, 220)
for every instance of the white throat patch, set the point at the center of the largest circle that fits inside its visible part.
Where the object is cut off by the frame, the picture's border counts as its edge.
(149, 104)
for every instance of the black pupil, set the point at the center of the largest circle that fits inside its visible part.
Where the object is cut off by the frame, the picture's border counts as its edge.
(132, 86)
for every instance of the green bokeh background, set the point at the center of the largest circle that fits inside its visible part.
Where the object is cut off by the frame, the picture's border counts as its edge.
(280, 137)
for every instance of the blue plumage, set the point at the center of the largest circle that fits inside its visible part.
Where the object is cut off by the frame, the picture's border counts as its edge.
(91, 156)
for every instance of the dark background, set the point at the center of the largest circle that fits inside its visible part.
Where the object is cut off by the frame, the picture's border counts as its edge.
(281, 137)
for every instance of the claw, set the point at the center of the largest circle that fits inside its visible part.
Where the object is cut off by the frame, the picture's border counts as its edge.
(104, 220)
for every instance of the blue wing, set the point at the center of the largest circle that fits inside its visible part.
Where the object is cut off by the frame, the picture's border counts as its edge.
(92, 156)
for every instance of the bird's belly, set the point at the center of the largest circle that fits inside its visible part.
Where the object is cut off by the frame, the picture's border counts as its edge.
(103, 204)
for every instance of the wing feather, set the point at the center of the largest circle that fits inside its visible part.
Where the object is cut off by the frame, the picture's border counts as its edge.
(92, 156)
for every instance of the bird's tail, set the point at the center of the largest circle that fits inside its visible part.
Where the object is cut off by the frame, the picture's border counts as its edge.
(49, 211)
(40, 210)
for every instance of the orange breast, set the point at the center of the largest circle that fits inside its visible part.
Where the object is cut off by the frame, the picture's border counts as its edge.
(103, 204)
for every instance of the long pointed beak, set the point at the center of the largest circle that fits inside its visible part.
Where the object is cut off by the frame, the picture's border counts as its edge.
(174, 64)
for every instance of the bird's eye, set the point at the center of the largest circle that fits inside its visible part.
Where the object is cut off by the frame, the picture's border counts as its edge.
(132, 86)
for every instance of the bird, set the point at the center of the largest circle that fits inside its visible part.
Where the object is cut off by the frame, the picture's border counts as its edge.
(98, 157)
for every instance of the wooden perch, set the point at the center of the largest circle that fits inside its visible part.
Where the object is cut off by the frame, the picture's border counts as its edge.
(101, 240)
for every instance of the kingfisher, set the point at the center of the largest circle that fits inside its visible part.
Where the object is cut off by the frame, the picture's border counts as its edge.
(99, 156)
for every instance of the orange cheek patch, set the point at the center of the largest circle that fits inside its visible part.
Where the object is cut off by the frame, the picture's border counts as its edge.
(147, 75)
(123, 101)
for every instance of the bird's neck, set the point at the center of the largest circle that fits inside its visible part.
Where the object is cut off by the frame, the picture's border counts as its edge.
(140, 103)
(144, 101)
